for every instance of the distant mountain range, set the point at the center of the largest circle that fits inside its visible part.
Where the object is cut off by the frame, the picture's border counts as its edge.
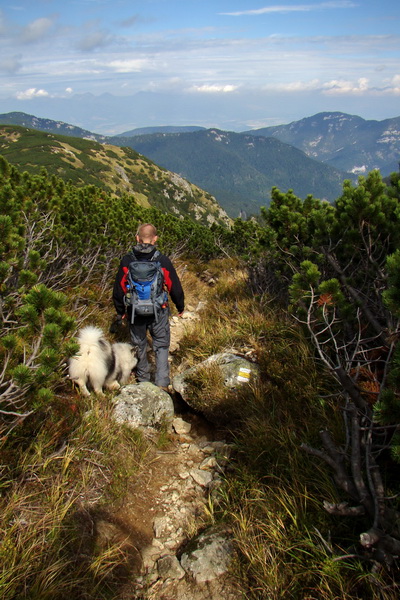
(310, 156)
(57, 127)
(113, 169)
(164, 129)
(346, 142)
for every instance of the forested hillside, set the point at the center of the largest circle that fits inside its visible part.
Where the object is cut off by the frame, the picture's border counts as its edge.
(239, 170)
(311, 495)
(115, 170)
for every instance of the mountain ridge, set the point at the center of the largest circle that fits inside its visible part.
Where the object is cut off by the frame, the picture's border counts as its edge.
(347, 142)
(113, 169)
(161, 129)
(310, 156)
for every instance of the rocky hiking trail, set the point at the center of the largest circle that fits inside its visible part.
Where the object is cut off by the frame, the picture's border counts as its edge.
(174, 552)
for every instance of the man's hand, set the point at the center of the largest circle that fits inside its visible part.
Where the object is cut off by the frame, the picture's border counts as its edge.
(116, 324)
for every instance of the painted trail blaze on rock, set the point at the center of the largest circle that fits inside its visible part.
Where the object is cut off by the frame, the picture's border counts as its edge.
(235, 371)
(212, 387)
(244, 375)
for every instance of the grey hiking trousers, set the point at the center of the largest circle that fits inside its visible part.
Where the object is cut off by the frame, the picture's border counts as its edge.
(160, 333)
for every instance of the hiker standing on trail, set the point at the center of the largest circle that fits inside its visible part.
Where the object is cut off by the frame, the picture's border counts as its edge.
(148, 315)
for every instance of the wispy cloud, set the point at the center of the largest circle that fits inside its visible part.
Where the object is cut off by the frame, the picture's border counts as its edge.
(10, 65)
(130, 21)
(213, 89)
(36, 30)
(287, 8)
(94, 40)
(129, 65)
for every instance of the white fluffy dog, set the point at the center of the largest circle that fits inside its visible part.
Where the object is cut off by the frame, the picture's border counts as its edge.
(100, 364)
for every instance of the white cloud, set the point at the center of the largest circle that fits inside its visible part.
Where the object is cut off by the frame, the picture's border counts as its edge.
(31, 93)
(395, 85)
(286, 8)
(338, 87)
(69, 90)
(213, 89)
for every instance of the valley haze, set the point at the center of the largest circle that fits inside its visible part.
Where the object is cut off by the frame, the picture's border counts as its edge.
(110, 67)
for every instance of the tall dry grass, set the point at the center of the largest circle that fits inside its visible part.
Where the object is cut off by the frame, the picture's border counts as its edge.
(287, 546)
(49, 541)
(62, 480)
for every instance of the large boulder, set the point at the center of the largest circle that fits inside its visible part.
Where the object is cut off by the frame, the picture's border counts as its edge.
(226, 373)
(143, 405)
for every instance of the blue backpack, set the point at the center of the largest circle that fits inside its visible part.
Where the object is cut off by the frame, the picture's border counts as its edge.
(145, 295)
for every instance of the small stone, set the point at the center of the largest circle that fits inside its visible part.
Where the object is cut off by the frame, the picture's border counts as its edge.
(149, 557)
(181, 426)
(169, 567)
(202, 478)
(209, 463)
(172, 544)
(161, 526)
(208, 449)
(194, 449)
(187, 315)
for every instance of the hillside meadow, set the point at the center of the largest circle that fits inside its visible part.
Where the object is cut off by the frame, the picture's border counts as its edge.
(310, 290)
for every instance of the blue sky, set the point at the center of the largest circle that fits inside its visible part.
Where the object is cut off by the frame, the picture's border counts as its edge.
(232, 64)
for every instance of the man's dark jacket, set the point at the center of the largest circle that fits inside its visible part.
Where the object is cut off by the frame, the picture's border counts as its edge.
(171, 279)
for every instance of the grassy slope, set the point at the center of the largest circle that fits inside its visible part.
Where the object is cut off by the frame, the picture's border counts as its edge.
(80, 465)
(114, 169)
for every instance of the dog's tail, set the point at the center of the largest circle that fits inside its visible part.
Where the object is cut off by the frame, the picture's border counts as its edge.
(90, 335)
